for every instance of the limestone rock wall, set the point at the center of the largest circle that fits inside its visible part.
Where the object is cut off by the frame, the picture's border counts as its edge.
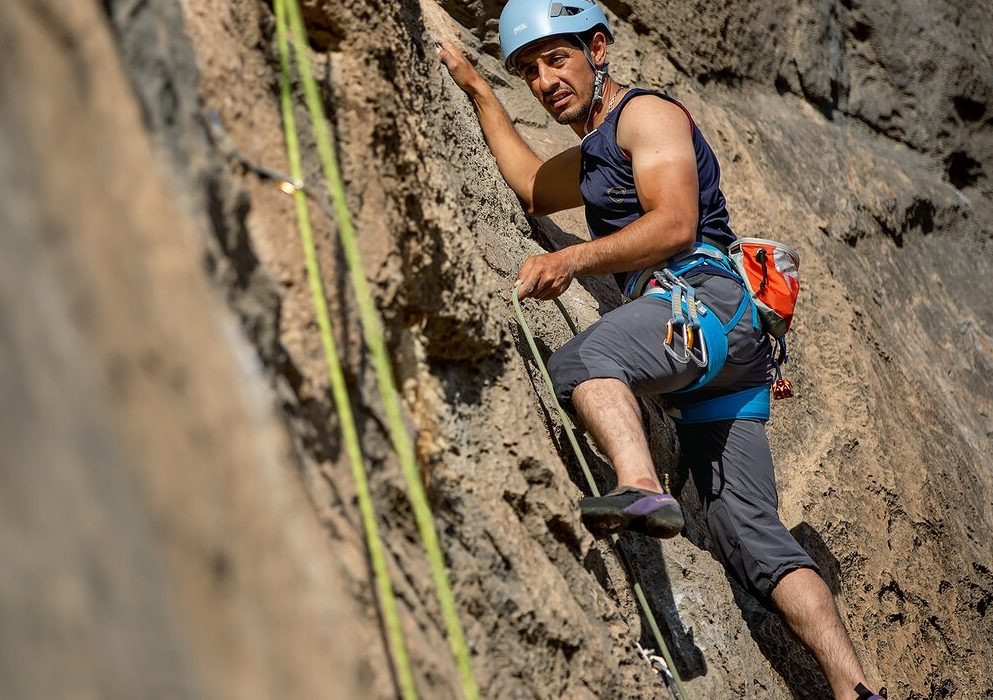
(155, 538)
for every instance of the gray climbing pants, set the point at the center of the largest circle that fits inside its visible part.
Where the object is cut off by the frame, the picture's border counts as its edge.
(730, 460)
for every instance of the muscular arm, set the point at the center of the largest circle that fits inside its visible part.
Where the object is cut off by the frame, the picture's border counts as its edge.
(657, 136)
(543, 187)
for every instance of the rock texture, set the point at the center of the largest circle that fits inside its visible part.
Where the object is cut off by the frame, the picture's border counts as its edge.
(155, 538)
(133, 410)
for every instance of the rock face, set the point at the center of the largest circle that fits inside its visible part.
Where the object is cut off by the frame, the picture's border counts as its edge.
(153, 459)
(155, 536)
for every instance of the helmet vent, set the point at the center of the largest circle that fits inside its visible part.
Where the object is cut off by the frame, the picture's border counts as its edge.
(558, 10)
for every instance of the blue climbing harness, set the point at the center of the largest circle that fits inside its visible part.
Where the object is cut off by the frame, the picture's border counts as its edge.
(704, 336)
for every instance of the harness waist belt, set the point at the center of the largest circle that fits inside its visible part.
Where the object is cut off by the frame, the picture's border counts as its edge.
(706, 254)
(748, 404)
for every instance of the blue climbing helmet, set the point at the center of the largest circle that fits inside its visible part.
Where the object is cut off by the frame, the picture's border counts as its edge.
(524, 22)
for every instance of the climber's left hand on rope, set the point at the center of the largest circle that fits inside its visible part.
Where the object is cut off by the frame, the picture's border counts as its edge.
(545, 276)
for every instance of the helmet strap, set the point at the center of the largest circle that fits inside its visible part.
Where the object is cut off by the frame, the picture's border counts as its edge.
(599, 82)
(599, 76)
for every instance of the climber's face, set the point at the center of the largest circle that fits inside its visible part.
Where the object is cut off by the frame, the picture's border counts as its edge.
(559, 75)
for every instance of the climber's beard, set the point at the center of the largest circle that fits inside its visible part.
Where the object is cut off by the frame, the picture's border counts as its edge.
(575, 114)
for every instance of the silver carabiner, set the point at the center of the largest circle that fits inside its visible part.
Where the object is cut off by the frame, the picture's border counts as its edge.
(702, 342)
(693, 332)
(676, 288)
(670, 336)
(678, 319)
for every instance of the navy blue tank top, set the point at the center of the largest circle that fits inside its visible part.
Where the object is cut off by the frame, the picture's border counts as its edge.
(607, 181)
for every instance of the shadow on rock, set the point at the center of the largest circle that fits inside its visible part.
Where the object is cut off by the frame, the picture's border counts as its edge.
(648, 562)
(811, 540)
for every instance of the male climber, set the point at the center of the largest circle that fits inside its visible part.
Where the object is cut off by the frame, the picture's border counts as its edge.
(650, 185)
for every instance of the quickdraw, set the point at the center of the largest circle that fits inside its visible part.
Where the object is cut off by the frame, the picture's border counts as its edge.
(688, 320)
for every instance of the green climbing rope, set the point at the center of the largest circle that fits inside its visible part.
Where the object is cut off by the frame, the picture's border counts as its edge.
(372, 328)
(384, 588)
(571, 434)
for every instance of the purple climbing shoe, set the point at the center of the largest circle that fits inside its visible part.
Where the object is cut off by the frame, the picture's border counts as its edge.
(628, 508)
(866, 694)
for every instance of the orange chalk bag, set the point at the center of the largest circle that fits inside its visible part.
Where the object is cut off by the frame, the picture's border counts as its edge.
(771, 272)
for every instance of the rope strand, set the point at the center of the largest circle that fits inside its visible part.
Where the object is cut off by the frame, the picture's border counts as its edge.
(372, 329)
(339, 390)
